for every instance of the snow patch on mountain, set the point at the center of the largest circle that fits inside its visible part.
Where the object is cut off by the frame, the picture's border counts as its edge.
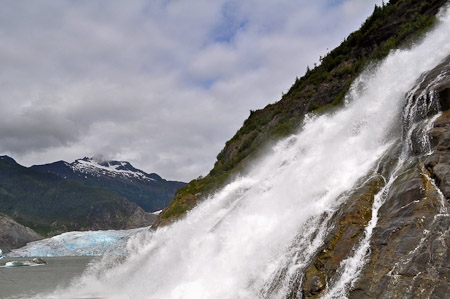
(110, 168)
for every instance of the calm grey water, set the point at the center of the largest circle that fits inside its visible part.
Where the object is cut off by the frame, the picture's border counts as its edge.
(23, 282)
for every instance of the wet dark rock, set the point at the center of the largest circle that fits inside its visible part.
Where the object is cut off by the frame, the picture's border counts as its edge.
(316, 285)
(348, 228)
(438, 163)
(409, 254)
(444, 95)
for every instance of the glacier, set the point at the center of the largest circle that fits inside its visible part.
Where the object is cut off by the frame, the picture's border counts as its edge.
(78, 243)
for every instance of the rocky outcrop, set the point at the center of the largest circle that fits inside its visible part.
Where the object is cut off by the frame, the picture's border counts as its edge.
(347, 230)
(438, 163)
(14, 235)
(409, 247)
(131, 216)
(409, 255)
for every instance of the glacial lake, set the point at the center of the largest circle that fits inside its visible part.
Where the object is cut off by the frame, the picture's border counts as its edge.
(23, 282)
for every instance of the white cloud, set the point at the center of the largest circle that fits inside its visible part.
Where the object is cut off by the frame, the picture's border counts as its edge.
(162, 84)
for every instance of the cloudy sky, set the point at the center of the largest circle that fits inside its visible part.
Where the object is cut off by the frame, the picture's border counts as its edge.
(160, 83)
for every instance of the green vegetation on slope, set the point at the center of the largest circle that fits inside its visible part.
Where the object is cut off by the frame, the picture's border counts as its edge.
(321, 89)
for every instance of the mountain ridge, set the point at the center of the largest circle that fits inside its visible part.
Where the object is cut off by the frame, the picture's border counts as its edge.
(50, 205)
(147, 190)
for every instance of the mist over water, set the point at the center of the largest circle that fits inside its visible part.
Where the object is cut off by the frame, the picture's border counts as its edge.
(236, 242)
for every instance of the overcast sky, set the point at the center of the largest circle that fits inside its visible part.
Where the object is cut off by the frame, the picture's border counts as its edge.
(160, 83)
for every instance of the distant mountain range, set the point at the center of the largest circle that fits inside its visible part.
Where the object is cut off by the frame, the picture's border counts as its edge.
(84, 195)
(149, 191)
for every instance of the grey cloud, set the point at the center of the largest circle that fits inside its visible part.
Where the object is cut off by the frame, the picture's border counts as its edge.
(35, 131)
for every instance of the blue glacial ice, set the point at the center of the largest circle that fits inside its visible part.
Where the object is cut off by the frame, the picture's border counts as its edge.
(86, 243)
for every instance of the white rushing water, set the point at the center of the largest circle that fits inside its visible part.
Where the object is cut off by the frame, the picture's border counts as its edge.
(236, 242)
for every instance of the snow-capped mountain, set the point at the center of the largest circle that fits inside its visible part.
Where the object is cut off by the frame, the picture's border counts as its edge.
(148, 190)
(50, 204)
(115, 169)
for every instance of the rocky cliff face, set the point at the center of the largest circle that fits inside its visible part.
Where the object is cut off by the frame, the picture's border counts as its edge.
(122, 215)
(13, 235)
(408, 254)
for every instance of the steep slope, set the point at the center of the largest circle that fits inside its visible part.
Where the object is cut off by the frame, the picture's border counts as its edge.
(50, 205)
(13, 235)
(410, 246)
(407, 254)
(149, 191)
(321, 89)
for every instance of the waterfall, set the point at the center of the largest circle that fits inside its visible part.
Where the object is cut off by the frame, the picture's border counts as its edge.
(252, 238)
